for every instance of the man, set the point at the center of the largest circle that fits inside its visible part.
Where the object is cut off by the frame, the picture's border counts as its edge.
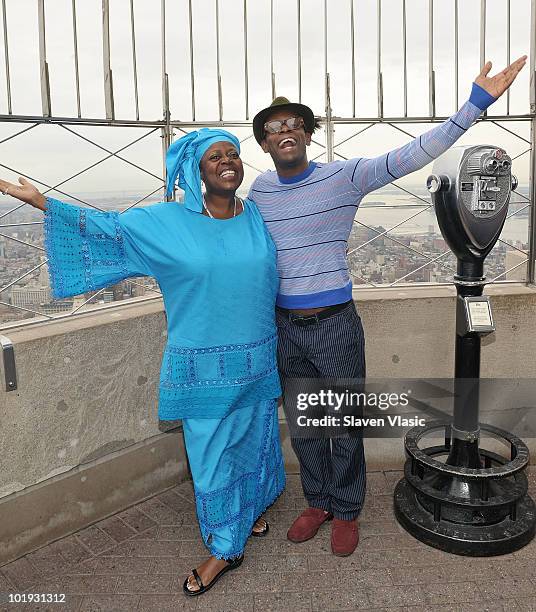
(309, 210)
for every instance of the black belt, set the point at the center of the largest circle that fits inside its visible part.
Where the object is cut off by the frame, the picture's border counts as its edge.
(314, 318)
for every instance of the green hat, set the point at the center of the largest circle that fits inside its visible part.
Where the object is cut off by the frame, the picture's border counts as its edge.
(281, 103)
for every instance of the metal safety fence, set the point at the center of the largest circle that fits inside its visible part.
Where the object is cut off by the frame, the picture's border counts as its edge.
(376, 72)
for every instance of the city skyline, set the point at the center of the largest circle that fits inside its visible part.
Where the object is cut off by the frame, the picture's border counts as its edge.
(373, 259)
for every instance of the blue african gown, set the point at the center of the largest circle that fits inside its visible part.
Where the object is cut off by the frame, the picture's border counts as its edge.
(219, 374)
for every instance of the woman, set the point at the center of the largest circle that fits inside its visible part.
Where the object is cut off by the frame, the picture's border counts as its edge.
(216, 266)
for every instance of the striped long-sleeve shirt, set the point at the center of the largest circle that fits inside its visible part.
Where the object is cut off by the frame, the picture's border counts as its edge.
(310, 216)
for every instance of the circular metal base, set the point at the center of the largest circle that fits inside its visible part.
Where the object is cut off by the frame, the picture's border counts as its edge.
(472, 540)
(476, 511)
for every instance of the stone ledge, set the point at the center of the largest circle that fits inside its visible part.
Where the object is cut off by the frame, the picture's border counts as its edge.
(135, 308)
(367, 294)
(33, 330)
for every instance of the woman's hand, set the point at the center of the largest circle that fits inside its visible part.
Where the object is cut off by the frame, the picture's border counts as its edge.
(499, 83)
(25, 191)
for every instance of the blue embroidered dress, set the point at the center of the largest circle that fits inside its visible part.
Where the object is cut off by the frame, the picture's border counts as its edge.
(219, 282)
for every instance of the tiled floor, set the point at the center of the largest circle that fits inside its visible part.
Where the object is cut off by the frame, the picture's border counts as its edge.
(138, 559)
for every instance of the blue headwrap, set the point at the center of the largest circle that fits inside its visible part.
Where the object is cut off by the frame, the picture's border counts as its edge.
(182, 161)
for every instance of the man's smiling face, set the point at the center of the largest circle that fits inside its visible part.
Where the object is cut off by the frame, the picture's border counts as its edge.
(288, 148)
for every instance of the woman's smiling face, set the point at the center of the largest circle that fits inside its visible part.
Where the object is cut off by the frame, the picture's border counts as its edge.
(221, 168)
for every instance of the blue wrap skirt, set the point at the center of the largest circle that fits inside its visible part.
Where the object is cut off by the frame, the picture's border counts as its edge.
(237, 470)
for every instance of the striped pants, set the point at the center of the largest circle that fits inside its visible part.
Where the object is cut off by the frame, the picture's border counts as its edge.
(333, 470)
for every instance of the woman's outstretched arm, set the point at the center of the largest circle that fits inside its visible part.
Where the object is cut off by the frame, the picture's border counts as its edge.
(26, 192)
(87, 249)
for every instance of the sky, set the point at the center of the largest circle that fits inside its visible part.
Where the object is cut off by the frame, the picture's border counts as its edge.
(51, 153)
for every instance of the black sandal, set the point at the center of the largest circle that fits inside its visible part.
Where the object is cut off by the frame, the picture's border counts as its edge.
(261, 534)
(202, 588)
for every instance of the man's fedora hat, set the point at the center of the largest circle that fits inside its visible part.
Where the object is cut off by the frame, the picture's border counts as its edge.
(282, 103)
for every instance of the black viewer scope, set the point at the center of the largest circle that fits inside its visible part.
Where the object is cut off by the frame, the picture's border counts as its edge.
(473, 502)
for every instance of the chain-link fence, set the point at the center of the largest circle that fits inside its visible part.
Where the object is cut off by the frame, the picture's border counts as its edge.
(92, 93)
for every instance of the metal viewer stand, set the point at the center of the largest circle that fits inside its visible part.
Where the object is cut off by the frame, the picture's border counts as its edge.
(475, 503)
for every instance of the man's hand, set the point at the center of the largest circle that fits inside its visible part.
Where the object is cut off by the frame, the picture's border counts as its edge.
(25, 191)
(498, 84)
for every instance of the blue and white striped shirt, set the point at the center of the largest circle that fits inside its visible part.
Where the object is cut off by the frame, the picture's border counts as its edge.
(310, 216)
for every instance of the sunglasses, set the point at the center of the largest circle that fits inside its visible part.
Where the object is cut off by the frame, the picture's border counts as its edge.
(275, 126)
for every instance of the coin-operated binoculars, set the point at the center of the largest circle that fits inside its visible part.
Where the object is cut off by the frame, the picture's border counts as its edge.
(474, 503)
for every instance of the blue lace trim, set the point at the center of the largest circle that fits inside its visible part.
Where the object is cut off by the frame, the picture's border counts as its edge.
(217, 382)
(80, 260)
(216, 402)
(238, 551)
(218, 366)
(54, 270)
(222, 348)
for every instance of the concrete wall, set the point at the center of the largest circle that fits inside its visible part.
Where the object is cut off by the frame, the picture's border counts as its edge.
(85, 410)
(410, 332)
(86, 387)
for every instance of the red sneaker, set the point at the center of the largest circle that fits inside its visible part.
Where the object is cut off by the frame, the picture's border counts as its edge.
(307, 524)
(344, 537)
